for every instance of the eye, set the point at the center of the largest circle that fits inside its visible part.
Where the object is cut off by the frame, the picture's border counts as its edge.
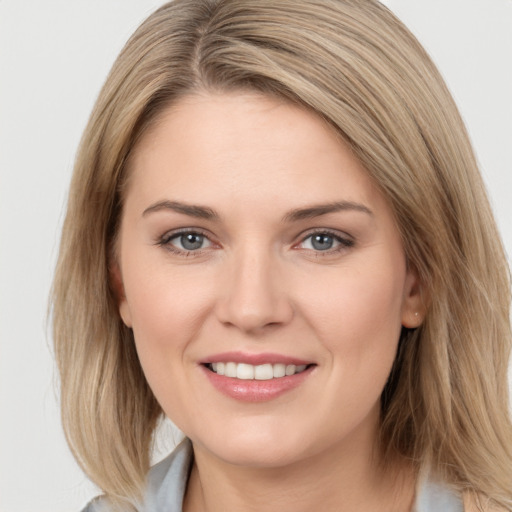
(185, 241)
(191, 241)
(319, 242)
(324, 241)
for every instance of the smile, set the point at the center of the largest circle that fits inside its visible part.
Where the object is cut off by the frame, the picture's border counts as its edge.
(256, 378)
(246, 371)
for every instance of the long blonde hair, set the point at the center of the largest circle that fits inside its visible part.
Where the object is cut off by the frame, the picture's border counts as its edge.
(355, 65)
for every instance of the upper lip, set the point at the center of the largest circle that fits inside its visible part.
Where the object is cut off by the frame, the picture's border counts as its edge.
(255, 359)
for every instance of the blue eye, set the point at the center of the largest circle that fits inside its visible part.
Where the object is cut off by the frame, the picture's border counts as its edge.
(191, 241)
(186, 241)
(322, 242)
(325, 241)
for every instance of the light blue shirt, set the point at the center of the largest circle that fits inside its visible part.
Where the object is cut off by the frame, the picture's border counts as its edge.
(167, 483)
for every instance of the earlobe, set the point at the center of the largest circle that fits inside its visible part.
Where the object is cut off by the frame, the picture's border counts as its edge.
(119, 294)
(124, 313)
(413, 305)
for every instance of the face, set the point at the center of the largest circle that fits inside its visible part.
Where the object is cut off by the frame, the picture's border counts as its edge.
(264, 278)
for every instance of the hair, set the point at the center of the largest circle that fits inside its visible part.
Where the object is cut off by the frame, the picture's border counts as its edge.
(355, 65)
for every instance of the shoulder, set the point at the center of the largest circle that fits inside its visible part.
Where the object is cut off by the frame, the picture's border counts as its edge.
(167, 480)
(98, 504)
(433, 495)
(165, 485)
(474, 502)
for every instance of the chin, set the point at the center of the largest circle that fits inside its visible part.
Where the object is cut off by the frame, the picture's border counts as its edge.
(256, 448)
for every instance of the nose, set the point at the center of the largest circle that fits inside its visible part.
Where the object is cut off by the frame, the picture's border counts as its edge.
(254, 295)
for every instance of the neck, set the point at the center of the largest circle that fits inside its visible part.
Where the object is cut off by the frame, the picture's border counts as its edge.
(344, 478)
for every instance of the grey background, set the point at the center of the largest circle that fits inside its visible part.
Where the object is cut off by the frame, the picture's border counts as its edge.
(54, 56)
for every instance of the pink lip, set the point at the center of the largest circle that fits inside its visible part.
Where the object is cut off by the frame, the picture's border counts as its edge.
(255, 390)
(254, 359)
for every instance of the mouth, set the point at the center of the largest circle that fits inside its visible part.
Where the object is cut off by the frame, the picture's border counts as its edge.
(256, 378)
(261, 372)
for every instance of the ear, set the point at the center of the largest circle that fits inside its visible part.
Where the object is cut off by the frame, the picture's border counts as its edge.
(413, 303)
(116, 281)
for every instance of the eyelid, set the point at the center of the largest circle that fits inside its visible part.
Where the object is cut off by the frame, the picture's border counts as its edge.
(165, 241)
(344, 239)
(171, 233)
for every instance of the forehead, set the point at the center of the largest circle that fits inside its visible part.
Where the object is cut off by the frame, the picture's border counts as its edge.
(218, 147)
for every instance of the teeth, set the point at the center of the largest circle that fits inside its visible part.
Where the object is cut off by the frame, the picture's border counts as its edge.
(290, 369)
(245, 371)
(230, 369)
(263, 372)
(279, 370)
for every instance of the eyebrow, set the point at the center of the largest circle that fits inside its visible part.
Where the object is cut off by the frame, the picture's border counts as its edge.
(200, 212)
(203, 212)
(323, 209)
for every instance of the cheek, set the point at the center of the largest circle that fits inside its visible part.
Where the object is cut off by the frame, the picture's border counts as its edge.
(356, 312)
(163, 297)
(358, 323)
(167, 307)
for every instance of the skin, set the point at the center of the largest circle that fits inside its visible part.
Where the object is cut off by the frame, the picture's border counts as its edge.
(258, 284)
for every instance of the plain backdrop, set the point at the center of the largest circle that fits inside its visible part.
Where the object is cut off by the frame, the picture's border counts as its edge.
(54, 57)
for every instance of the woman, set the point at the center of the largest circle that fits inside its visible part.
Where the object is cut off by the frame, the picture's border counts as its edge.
(278, 237)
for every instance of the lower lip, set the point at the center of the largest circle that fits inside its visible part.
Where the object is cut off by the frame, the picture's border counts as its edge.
(256, 390)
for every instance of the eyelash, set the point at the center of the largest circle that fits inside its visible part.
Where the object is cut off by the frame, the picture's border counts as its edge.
(344, 243)
(164, 241)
